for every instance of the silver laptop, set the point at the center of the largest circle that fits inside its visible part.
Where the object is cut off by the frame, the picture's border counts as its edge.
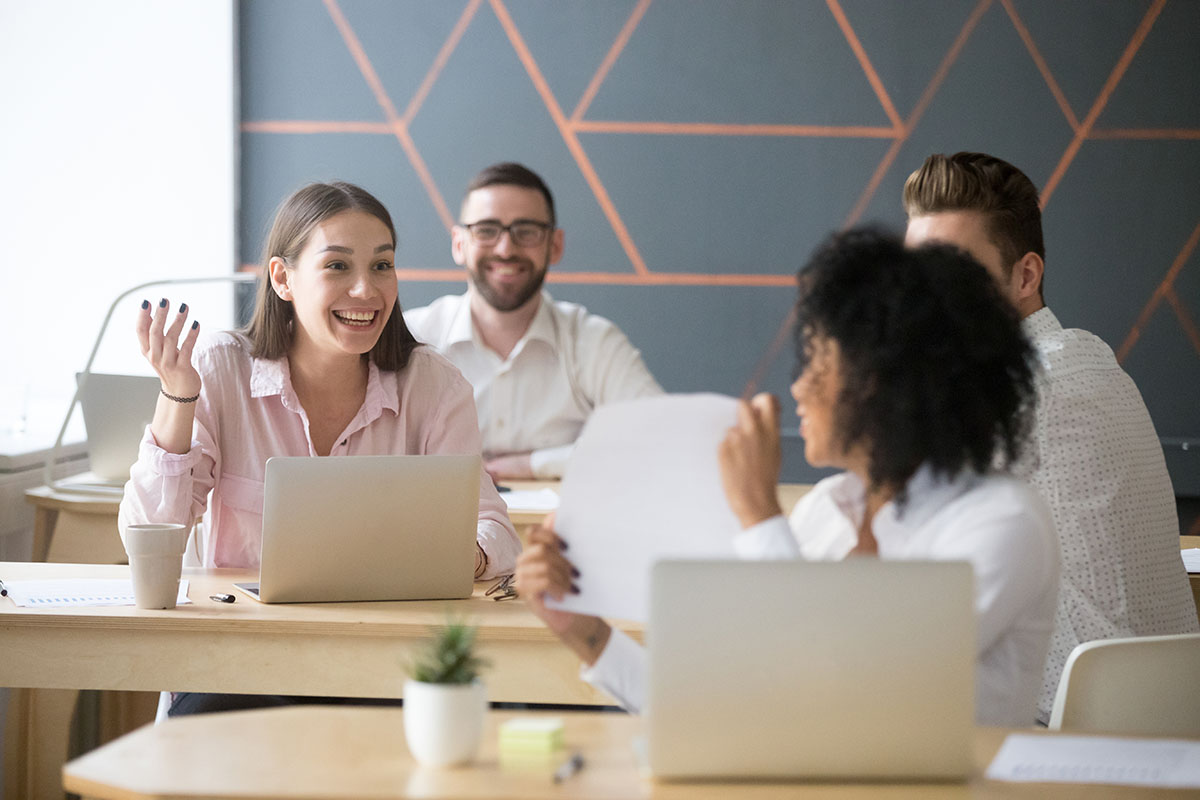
(116, 410)
(861, 669)
(368, 528)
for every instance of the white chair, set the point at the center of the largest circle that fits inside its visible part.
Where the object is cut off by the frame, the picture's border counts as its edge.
(1147, 685)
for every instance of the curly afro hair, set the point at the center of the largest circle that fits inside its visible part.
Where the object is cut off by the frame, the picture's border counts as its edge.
(935, 367)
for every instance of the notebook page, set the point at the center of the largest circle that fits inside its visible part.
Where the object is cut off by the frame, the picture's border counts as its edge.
(1097, 759)
(68, 592)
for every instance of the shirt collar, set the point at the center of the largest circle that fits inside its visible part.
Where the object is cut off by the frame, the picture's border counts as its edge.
(927, 493)
(461, 329)
(542, 327)
(1040, 323)
(272, 376)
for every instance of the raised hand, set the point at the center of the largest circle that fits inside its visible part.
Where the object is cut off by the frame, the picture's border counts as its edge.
(543, 571)
(750, 458)
(169, 357)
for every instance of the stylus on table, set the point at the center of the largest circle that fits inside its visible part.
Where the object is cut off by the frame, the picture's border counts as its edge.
(568, 768)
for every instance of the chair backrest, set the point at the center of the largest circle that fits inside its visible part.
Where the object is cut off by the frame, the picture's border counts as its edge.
(1148, 685)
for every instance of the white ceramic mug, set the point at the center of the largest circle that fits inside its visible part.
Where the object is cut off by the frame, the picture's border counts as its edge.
(156, 562)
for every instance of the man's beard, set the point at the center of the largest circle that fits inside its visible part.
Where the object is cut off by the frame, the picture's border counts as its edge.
(506, 302)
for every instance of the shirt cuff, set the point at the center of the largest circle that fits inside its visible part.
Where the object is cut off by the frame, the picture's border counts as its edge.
(162, 462)
(769, 540)
(620, 671)
(550, 462)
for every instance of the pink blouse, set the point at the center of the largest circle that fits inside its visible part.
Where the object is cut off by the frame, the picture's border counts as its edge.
(248, 412)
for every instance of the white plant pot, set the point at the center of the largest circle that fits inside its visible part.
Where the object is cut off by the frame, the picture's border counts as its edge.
(443, 722)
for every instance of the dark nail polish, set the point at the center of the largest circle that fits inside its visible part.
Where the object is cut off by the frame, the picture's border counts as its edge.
(195, 324)
(145, 304)
(562, 545)
(182, 307)
(574, 589)
(162, 303)
(574, 572)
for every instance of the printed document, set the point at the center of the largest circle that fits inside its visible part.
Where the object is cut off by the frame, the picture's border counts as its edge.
(68, 592)
(1097, 759)
(643, 484)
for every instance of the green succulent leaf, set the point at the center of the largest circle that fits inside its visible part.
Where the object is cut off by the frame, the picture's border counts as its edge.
(449, 657)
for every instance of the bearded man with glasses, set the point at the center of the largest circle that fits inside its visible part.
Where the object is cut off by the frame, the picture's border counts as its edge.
(538, 366)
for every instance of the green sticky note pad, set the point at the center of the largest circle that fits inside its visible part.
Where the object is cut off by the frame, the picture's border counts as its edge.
(531, 735)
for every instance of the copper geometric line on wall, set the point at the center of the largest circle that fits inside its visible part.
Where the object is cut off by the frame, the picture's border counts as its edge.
(397, 125)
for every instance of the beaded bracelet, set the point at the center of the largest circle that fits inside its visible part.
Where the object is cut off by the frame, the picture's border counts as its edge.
(178, 399)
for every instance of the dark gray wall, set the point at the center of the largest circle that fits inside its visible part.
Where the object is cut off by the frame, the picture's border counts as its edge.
(725, 138)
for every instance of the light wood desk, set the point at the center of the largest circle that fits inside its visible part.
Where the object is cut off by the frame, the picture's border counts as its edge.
(346, 649)
(101, 649)
(361, 753)
(342, 649)
(74, 526)
(1186, 543)
(81, 527)
(523, 520)
(78, 527)
(67, 527)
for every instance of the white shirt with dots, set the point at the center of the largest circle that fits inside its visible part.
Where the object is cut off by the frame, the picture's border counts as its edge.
(1095, 457)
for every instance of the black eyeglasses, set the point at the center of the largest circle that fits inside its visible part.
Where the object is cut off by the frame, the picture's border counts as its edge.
(524, 233)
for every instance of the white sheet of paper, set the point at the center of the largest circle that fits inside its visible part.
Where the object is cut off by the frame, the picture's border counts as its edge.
(643, 484)
(530, 499)
(66, 592)
(1097, 759)
(1191, 559)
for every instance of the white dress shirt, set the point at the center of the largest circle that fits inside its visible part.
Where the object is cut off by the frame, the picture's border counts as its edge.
(1095, 458)
(537, 399)
(996, 523)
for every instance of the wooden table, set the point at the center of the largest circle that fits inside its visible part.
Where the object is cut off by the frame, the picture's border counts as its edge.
(344, 649)
(75, 526)
(82, 527)
(1186, 543)
(351, 753)
(68, 526)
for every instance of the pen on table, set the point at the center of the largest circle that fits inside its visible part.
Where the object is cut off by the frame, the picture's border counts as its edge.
(568, 768)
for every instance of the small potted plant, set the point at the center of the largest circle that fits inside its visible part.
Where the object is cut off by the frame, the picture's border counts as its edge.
(444, 700)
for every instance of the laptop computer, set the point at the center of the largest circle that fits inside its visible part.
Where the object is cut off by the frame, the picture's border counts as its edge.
(116, 410)
(368, 528)
(862, 669)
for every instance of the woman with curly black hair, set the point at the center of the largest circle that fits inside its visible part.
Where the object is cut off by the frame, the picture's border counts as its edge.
(915, 379)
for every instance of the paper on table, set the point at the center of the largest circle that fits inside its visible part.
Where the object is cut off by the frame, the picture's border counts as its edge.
(66, 592)
(531, 499)
(1191, 559)
(643, 484)
(1097, 759)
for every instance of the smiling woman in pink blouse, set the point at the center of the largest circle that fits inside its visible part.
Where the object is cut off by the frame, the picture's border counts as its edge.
(326, 367)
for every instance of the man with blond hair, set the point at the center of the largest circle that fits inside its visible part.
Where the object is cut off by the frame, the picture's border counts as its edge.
(1093, 453)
